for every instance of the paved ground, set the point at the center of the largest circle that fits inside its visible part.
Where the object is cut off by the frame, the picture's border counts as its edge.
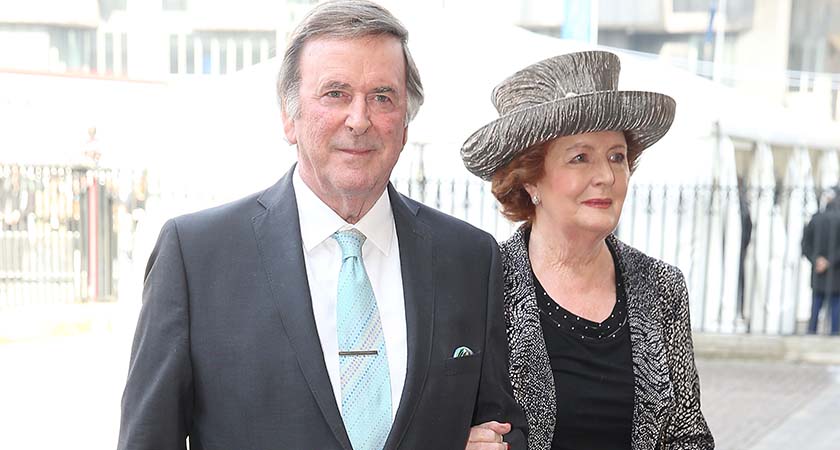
(64, 392)
(752, 405)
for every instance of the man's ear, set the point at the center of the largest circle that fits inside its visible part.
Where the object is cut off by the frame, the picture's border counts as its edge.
(289, 127)
(405, 135)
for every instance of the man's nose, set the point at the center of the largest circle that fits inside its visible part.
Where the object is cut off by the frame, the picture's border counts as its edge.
(358, 119)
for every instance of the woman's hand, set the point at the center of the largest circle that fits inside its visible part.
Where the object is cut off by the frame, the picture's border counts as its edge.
(488, 436)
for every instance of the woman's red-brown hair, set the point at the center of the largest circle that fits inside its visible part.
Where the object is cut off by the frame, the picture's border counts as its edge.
(508, 183)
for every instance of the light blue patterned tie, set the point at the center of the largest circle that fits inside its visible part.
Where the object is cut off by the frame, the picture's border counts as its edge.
(365, 381)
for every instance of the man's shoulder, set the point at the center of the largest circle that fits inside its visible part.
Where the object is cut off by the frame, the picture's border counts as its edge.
(824, 220)
(225, 216)
(242, 209)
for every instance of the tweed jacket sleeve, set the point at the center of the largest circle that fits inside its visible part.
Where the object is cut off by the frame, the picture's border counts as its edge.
(687, 428)
(667, 410)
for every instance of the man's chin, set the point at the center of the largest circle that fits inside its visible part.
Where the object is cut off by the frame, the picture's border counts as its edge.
(359, 188)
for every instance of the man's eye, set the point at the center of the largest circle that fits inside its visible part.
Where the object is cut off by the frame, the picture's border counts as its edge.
(333, 94)
(579, 158)
(381, 98)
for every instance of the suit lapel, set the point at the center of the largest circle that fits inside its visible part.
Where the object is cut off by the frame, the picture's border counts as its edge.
(277, 231)
(416, 262)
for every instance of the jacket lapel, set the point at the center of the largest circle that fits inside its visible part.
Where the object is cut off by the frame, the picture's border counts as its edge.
(277, 231)
(417, 263)
(530, 367)
(653, 390)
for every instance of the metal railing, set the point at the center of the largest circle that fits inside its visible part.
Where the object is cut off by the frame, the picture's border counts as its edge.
(59, 233)
(63, 231)
(739, 247)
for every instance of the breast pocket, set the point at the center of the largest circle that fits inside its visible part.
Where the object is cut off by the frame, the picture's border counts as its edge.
(464, 364)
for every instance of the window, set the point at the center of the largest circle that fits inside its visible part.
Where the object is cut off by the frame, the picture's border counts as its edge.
(106, 7)
(240, 56)
(190, 55)
(124, 53)
(223, 57)
(74, 47)
(173, 53)
(109, 53)
(736, 10)
(206, 57)
(694, 5)
(255, 53)
(174, 5)
(218, 52)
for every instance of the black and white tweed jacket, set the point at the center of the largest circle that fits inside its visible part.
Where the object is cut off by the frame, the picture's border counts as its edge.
(667, 391)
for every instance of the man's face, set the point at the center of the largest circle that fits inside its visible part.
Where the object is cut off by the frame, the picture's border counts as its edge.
(351, 125)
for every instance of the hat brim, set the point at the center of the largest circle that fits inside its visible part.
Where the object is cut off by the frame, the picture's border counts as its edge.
(644, 116)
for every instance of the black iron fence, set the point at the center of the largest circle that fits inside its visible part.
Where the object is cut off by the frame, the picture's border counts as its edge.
(60, 231)
(738, 246)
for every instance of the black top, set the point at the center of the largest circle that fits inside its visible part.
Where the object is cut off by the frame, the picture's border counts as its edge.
(593, 374)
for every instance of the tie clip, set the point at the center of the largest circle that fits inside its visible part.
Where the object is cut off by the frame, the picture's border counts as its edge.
(359, 353)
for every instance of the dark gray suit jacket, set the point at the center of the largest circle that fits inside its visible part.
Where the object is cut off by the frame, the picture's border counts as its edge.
(226, 349)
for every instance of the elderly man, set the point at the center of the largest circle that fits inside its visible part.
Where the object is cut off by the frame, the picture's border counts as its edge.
(328, 311)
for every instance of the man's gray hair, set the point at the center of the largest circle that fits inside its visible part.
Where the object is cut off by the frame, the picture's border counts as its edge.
(344, 19)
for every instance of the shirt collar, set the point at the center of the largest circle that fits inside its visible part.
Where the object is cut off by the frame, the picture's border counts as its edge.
(318, 221)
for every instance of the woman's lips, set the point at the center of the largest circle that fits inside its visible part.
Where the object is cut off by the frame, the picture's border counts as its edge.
(602, 203)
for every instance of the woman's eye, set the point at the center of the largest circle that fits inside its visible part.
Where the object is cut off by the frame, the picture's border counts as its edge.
(579, 158)
(618, 157)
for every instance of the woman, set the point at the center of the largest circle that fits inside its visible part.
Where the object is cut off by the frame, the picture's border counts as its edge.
(600, 342)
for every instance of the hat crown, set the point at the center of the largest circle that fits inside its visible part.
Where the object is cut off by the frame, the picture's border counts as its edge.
(557, 78)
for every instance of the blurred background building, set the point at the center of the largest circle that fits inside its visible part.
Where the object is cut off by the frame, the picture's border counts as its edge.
(120, 113)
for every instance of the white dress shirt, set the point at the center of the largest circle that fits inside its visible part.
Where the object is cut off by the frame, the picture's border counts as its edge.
(381, 255)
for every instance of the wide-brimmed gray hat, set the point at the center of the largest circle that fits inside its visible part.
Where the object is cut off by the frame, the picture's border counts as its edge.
(565, 95)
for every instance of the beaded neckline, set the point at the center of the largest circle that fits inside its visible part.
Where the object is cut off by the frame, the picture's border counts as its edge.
(562, 319)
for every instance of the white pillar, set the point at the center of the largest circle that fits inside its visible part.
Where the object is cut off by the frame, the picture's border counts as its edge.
(100, 51)
(836, 115)
(86, 51)
(215, 60)
(803, 81)
(247, 53)
(720, 33)
(231, 56)
(117, 52)
(182, 53)
(198, 55)
(263, 50)
(822, 94)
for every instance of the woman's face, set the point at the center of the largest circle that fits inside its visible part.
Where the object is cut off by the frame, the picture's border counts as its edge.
(585, 183)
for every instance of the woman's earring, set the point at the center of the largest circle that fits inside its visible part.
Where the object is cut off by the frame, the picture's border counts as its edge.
(535, 199)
